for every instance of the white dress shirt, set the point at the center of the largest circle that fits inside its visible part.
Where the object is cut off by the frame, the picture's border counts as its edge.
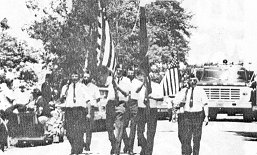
(156, 93)
(81, 95)
(93, 92)
(199, 99)
(21, 97)
(5, 92)
(135, 84)
(123, 83)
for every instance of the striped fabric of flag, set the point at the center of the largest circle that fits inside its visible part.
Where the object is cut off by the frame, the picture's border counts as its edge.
(99, 32)
(105, 48)
(170, 82)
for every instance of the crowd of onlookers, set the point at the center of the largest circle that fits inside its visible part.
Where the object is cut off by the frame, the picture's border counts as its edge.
(18, 96)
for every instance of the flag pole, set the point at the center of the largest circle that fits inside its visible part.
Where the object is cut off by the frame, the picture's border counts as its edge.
(144, 66)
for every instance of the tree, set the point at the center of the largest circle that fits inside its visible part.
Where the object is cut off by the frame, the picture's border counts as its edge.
(16, 56)
(71, 34)
(168, 29)
(65, 33)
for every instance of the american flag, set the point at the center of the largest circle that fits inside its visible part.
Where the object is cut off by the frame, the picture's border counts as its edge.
(170, 81)
(105, 48)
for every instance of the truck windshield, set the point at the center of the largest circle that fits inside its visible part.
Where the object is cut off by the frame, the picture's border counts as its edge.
(226, 74)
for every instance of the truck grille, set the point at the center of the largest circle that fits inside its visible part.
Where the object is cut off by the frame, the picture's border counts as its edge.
(222, 93)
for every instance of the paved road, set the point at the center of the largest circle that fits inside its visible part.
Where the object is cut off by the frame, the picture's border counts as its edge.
(226, 136)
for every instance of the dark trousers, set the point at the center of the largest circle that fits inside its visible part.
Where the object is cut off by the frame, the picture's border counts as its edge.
(192, 130)
(75, 125)
(89, 126)
(114, 120)
(3, 136)
(130, 116)
(148, 142)
(181, 130)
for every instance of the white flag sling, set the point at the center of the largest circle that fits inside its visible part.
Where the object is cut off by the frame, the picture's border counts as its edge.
(99, 33)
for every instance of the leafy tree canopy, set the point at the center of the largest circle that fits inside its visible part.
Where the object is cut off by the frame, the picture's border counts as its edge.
(71, 34)
(17, 57)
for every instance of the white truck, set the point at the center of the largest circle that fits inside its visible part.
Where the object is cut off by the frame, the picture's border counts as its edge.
(228, 91)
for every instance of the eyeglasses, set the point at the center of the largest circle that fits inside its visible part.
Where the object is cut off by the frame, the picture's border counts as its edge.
(193, 80)
(74, 76)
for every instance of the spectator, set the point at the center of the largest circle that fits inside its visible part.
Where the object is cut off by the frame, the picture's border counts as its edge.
(46, 89)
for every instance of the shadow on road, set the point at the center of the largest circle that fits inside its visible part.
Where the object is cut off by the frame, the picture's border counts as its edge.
(166, 131)
(229, 120)
(248, 136)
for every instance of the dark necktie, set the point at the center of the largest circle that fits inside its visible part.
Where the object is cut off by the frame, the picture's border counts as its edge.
(74, 94)
(191, 98)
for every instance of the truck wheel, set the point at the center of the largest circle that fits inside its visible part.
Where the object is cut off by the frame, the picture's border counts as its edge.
(213, 117)
(61, 138)
(248, 117)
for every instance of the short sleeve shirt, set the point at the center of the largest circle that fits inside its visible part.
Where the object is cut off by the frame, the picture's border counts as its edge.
(93, 92)
(81, 95)
(199, 99)
(135, 84)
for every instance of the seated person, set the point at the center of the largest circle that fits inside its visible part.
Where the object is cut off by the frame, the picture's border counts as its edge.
(3, 131)
(41, 106)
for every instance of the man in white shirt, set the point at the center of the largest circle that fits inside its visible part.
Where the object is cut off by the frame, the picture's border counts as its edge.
(131, 111)
(193, 102)
(6, 97)
(77, 109)
(22, 96)
(148, 142)
(115, 108)
(94, 93)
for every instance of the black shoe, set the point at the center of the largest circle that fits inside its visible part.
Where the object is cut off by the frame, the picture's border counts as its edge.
(131, 153)
(112, 151)
(87, 148)
(142, 152)
(126, 149)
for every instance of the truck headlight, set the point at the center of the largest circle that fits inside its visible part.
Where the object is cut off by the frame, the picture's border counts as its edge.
(245, 93)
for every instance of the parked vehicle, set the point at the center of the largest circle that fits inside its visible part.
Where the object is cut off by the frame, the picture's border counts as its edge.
(227, 88)
(24, 129)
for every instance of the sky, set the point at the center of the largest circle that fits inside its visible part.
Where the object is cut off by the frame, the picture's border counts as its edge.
(226, 29)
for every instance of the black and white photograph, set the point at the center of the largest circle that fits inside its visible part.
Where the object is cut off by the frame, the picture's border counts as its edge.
(128, 77)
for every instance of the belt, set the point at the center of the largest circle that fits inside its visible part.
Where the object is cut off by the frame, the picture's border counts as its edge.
(193, 112)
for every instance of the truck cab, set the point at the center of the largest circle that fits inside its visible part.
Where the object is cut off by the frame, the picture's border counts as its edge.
(227, 89)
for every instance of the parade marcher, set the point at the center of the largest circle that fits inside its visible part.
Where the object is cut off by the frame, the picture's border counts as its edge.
(115, 109)
(193, 103)
(131, 111)
(76, 111)
(46, 89)
(94, 93)
(253, 98)
(148, 142)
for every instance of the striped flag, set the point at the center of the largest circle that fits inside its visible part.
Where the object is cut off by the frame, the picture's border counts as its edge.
(105, 48)
(170, 81)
